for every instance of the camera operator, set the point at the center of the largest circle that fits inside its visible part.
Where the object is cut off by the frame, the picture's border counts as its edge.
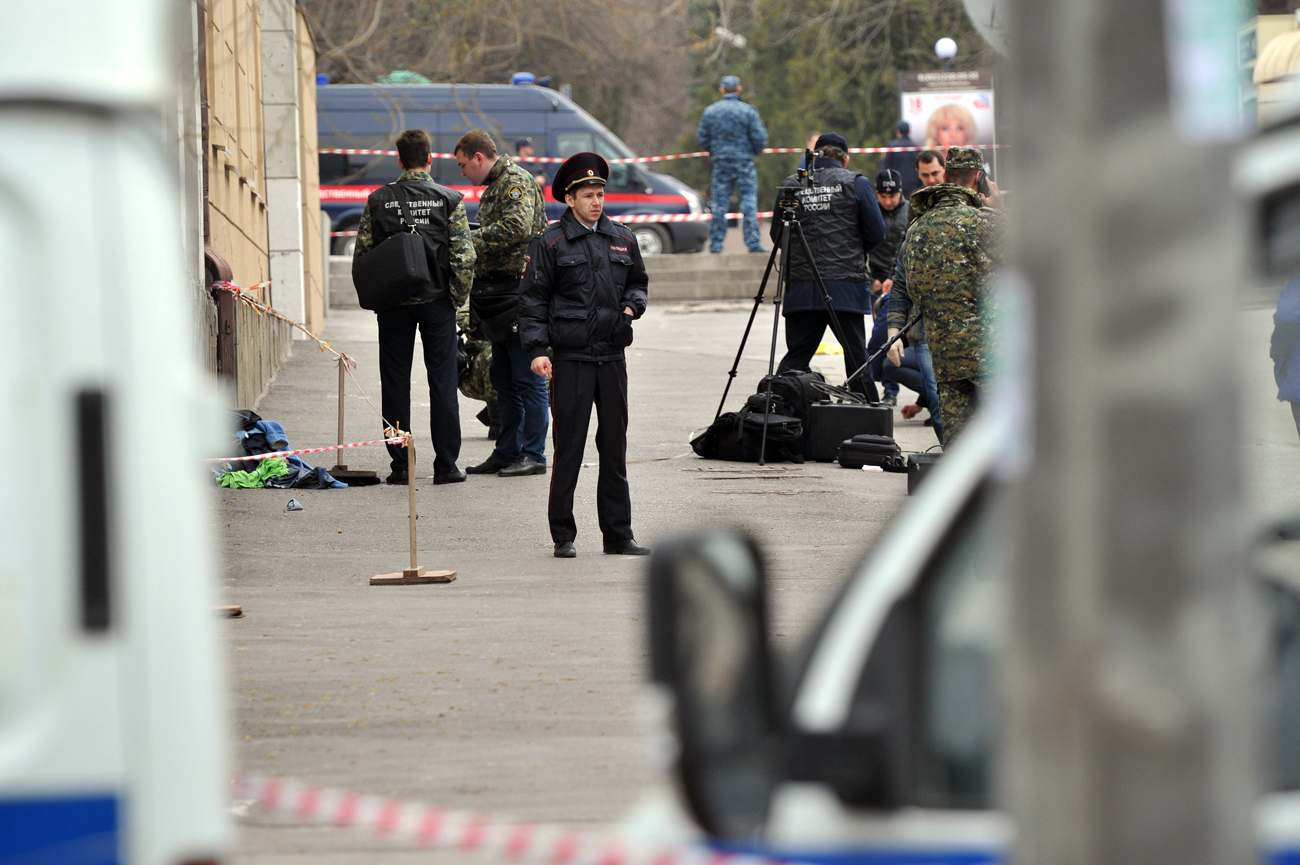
(842, 223)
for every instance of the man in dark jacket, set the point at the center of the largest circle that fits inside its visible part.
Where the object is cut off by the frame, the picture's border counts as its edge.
(439, 217)
(842, 223)
(583, 286)
(904, 162)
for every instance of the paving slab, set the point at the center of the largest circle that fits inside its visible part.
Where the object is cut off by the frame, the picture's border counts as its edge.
(518, 688)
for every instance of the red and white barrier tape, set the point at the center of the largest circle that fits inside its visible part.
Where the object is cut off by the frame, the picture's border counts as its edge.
(638, 218)
(431, 826)
(365, 152)
(393, 440)
(241, 295)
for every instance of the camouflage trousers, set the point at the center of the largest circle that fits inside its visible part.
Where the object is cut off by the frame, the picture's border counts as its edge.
(958, 399)
(477, 384)
(728, 176)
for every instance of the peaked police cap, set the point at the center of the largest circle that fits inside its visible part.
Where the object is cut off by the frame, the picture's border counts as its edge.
(579, 170)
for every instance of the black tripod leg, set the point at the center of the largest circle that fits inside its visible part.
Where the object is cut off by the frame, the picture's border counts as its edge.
(758, 301)
(782, 278)
(882, 350)
(850, 352)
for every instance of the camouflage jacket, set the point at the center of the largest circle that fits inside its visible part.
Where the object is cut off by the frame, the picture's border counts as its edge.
(511, 212)
(460, 246)
(731, 129)
(952, 247)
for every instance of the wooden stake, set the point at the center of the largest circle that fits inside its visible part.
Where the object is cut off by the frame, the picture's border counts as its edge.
(414, 574)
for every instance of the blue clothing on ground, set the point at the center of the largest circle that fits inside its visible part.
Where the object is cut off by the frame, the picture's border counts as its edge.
(731, 129)
(931, 387)
(729, 175)
(268, 436)
(523, 400)
(1284, 347)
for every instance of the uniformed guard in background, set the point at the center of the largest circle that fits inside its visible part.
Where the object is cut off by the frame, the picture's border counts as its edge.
(842, 223)
(952, 248)
(584, 285)
(734, 134)
(440, 219)
(511, 212)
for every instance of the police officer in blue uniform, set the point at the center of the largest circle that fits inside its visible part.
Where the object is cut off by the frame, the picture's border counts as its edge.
(584, 284)
(734, 134)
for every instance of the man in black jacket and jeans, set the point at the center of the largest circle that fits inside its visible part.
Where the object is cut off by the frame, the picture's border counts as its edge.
(439, 217)
(584, 283)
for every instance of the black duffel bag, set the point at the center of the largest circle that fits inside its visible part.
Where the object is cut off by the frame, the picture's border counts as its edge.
(738, 436)
(396, 269)
(494, 308)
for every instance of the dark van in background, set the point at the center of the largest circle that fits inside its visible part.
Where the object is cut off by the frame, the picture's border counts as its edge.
(370, 116)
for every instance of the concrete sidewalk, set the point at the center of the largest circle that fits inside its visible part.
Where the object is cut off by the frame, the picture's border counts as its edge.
(516, 688)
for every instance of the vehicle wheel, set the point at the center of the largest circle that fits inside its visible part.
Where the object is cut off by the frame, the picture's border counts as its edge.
(344, 245)
(653, 239)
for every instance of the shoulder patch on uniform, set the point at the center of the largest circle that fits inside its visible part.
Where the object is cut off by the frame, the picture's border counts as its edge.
(515, 193)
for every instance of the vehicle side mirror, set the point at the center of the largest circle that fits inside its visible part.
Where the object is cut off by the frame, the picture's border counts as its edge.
(709, 647)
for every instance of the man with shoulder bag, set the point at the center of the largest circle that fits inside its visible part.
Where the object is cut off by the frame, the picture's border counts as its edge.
(408, 291)
(511, 212)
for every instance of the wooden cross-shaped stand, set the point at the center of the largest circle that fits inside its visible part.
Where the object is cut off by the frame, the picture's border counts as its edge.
(415, 573)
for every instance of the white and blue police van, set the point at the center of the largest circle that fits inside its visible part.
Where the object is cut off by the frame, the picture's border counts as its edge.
(112, 734)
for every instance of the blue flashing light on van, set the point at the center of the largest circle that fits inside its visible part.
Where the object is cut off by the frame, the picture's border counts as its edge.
(370, 117)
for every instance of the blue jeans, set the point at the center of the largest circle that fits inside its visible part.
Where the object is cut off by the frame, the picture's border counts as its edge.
(931, 386)
(523, 402)
(729, 175)
(908, 375)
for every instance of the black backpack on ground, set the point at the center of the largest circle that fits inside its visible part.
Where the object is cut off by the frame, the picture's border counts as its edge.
(869, 450)
(795, 388)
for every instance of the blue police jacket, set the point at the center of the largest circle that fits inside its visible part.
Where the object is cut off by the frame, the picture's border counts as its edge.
(731, 129)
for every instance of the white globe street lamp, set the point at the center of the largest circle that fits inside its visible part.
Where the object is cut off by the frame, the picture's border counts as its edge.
(945, 49)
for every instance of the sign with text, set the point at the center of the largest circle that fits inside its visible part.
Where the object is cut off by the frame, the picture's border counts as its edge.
(948, 107)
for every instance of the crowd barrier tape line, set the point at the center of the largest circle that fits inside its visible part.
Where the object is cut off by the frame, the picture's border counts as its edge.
(241, 295)
(637, 218)
(431, 826)
(391, 440)
(347, 151)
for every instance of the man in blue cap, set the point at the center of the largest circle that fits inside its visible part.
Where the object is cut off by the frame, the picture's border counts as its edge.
(584, 283)
(734, 134)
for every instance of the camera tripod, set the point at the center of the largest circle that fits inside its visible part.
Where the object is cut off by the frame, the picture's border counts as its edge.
(790, 228)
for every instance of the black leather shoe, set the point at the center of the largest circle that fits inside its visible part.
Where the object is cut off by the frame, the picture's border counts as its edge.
(397, 477)
(454, 476)
(490, 466)
(626, 548)
(565, 551)
(522, 468)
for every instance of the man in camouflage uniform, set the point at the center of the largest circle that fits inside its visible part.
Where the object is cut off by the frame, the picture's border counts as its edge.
(474, 373)
(952, 248)
(511, 212)
(439, 217)
(734, 134)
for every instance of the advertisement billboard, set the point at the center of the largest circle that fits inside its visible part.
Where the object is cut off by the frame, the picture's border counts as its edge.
(949, 107)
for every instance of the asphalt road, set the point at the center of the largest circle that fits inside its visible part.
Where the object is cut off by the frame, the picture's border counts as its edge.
(518, 688)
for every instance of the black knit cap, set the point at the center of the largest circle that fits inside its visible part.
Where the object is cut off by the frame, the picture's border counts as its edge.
(577, 171)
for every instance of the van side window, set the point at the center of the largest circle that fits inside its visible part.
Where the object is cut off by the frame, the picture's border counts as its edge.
(962, 625)
(569, 143)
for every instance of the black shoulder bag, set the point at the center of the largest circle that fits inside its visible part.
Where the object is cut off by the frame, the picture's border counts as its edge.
(395, 269)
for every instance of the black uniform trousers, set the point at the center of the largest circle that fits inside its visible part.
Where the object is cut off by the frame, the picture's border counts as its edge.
(436, 322)
(804, 332)
(575, 386)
